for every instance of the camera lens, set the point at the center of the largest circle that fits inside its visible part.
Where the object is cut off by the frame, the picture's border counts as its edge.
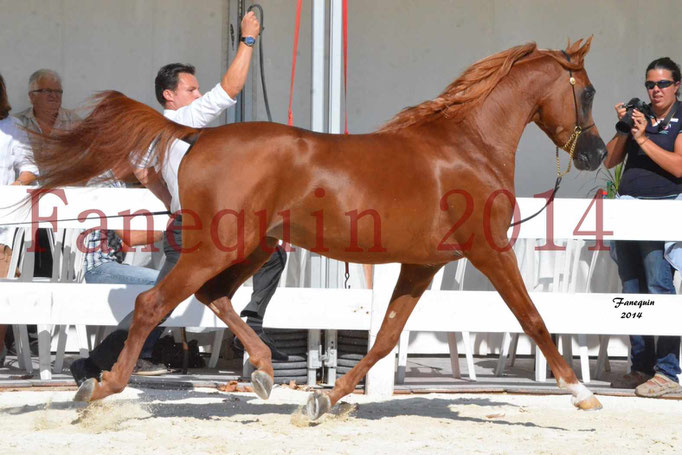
(625, 124)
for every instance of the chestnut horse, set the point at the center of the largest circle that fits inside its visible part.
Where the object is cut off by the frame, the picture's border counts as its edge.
(429, 180)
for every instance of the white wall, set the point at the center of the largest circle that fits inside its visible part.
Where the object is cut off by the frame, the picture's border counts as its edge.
(401, 53)
(108, 44)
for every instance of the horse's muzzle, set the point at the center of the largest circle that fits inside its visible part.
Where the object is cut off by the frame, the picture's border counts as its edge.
(590, 152)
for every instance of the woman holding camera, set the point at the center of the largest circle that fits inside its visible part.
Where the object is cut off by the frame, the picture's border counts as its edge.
(653, 170)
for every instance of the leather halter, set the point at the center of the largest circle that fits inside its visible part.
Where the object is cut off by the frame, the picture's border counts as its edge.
(570, 144)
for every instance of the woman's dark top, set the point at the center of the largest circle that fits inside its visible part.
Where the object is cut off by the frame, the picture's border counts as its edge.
(643, 178)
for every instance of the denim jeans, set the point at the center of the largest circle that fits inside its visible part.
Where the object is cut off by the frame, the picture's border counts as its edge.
(115, 273)
(644, 270)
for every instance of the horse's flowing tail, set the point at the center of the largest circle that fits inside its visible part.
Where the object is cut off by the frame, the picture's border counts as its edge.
(119, 131)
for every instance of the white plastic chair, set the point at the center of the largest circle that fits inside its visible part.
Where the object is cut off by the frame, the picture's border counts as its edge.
(69, 268)
(24, 259)
(21, 340)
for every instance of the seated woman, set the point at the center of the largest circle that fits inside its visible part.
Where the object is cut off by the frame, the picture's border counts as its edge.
(16, 168)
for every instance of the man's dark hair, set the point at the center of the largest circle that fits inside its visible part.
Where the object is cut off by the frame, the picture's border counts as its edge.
(665, 63)
(4, 102)
(167, 79)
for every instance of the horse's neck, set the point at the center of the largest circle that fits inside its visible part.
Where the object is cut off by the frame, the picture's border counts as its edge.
(493, 129)
(506, 112)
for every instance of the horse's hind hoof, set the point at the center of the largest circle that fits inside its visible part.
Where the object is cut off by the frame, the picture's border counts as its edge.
(318, 404)
(262, 384)
(86, 390)
(589, 404)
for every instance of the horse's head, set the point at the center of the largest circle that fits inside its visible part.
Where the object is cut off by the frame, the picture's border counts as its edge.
(565, 110)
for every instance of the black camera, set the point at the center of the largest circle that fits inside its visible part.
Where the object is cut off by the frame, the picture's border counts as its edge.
(625, 124)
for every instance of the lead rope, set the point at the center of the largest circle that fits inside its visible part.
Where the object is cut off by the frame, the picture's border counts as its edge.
(571, 142)
(61, 220)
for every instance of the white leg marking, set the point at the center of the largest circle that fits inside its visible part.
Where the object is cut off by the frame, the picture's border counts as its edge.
(579, 391)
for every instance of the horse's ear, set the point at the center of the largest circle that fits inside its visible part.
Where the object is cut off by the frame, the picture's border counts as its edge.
(578, 49)
(586, 47)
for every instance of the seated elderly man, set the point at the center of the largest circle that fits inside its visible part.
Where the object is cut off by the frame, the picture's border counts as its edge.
(46, 112)
(45, 115)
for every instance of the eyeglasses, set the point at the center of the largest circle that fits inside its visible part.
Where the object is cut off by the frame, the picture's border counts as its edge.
(48, 91)
(660, 84)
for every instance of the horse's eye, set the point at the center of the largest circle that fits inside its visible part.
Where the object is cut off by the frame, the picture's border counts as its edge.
(589, 93)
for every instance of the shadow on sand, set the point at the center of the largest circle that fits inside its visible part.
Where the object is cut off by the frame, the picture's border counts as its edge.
(247, 408)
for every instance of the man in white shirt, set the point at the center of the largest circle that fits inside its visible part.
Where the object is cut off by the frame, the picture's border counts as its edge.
(45, 116)
(46, 112)
(177, 89)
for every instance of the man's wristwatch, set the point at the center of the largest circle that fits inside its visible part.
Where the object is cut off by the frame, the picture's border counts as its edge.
(248, 40)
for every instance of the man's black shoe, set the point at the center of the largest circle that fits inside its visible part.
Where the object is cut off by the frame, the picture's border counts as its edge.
(147, 368)
(277, 355)
(33, 345)
(82, 369)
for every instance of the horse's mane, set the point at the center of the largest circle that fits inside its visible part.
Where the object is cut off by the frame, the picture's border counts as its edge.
(476, 83)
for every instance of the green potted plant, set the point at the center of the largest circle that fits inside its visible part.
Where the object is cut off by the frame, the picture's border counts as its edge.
(611, 178)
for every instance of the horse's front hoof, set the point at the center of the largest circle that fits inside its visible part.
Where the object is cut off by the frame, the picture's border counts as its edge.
(318, 404)
(262, 384)
(86, 390)
(589, 404)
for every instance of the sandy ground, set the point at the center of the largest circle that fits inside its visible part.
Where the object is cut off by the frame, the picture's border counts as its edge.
(205, 421)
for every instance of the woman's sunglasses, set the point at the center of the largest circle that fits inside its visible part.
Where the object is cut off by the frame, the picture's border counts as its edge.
(660, 84)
